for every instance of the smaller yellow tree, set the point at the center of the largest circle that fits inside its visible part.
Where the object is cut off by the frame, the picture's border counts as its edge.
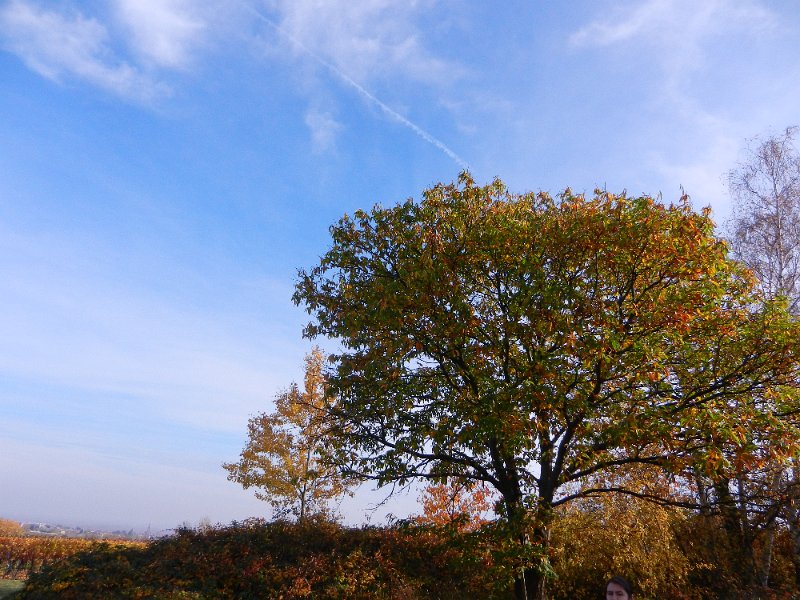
(282, 457)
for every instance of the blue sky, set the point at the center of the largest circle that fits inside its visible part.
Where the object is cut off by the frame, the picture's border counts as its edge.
(166, 166)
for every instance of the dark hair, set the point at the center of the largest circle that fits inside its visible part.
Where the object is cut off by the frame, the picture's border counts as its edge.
(623, 583)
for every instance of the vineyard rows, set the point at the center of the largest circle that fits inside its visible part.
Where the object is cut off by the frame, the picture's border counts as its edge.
(21, 555)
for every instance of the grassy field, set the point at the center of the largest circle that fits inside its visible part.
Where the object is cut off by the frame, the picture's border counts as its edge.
(9, 585)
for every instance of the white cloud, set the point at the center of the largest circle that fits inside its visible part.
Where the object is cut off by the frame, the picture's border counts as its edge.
(643, 19)
(323, 128)
(676, 29)
(60, 45)
(357, 41)
(672, 21)
(678, 40)
(128, 48)
(163, 31)
(368, 39)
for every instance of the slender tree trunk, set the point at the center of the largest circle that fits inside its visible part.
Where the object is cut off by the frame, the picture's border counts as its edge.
(740, 543)
(765, 562)
(795, 532)
(516, 520)
(520, 589)
(794, 520)
(537, 584)
(531, 584)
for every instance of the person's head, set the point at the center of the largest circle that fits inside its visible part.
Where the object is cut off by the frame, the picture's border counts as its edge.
(618, 588)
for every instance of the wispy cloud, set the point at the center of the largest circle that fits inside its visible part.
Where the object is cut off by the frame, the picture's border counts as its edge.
(369, 39)
(624, 25)
(323, 128)
(64, 45)
(699, 171)
(678, 39)
(677, 30)
(348, 79)
(164, 31)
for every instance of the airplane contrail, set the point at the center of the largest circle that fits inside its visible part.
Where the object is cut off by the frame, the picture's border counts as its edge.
(361, 90)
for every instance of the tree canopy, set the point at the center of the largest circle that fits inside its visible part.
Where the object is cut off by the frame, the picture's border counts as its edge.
(527, 342)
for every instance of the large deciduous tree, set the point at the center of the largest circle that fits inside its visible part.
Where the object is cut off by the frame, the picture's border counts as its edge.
(282, 456)
(527, 342)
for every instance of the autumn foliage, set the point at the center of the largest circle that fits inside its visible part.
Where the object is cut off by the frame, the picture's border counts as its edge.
(282, 457)
(20, 556)
(528, 342)
(667, 552)
(596, 369)
(461, 504)
(308, 559)
(9, 528)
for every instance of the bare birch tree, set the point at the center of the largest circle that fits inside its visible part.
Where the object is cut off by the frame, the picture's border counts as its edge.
(765, 235)
(765, 229)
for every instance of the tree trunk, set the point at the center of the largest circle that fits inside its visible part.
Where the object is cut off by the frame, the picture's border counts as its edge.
(520, 590)
(765, 565)
(765, 562)
(531, 583)
(536, 583)
(794, 519)
(737, 530)
(522, 580)
(795, 532)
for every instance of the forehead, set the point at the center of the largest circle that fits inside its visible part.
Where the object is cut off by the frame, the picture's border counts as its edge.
(615, 587)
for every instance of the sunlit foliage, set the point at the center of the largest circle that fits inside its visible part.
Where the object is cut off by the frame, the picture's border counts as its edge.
(527, 342)
(282, 456)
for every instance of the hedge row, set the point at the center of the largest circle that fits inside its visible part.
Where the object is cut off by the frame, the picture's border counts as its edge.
(280, 560)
